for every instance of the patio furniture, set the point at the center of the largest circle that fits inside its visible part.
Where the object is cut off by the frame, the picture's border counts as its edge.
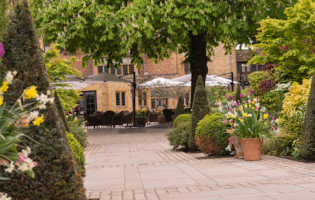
(168, 115)
(107, 118)
(118, 118)
(128, 118)
(91, 120)
(153, 117)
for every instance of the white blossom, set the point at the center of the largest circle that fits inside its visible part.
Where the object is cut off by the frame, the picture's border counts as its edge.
(10, 168)
(33, 115)
(4, 196)
(9, 77)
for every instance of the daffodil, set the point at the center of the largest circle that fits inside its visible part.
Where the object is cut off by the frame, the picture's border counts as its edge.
(231, 116)
(4, 87)
(75, 119)
(241, 120)
(38, 120)
(245, 115)
(266, 116)
(30, 93)
(1, 101)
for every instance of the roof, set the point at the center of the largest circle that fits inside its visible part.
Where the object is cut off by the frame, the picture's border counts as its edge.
(105, 77)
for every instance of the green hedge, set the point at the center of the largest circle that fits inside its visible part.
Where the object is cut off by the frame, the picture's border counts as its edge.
(179, 135)
(211, 127)
(78, 131)
(181, 118)
(77, 151)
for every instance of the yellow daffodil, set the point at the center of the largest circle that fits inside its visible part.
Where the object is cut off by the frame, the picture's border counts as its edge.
(1, 101)
(250, 106)
(4, 87)
(38, 120)
(245, 115)
(26, 125)
(75, 119)
(266, 116)
(241, 120)
(231, 116)
(30, 93)
(265, 123)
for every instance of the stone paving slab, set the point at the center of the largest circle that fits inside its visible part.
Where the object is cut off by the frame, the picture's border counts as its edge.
(139, 164)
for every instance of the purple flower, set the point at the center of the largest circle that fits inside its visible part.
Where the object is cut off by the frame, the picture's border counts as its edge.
(230, 98)
(251, 91)
(2, 51)
(242, 96)
(231, 121)
(216, 105)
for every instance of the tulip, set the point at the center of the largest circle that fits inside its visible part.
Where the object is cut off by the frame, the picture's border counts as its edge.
(2, 51)
(241, 96)
(251, 91)
(226, 95)
(230, 98)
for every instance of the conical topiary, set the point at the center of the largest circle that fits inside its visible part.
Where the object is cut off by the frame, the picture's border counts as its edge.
(180, 109)
(307, 137)
(61, 112)
(56, 176)
(238, 93)
(200, 108)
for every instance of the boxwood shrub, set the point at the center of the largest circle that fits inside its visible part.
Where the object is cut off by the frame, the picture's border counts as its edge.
(78, 152)
(211, 135)
(181, 118)
(179, 135)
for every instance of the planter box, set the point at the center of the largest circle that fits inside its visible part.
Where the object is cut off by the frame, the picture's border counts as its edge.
(252, 148)
(161, 119)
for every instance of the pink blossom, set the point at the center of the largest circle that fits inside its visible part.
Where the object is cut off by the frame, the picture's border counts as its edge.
(225, 122)
(231, 109)
(22, 157)
(256, 108)
(2, 51)
(241, 96)
(235, 103)
(258, 98)
(231, 140)
(273, 118)
(230, 98)
(249, 101)
(251, 91)
(248, 95)
(226, 95)
(34, 164)
(231, 121)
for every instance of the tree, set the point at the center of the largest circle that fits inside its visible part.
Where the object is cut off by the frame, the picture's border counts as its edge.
(200, 109)
(289, 43)
(153, 27)
(180, 109)
(56, 176)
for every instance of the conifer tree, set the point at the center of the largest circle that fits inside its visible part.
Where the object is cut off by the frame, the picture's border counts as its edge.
(307, 138)
(56, 176)
(200, 108)
(180, 107)
(238, 93)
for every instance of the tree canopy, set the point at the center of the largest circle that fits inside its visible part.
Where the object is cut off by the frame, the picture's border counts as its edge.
(289, 43)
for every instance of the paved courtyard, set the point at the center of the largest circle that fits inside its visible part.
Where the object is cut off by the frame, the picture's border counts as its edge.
(139, 164)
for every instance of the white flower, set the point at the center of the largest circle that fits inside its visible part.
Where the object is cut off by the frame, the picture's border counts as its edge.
(235, 124)
(4, 196)
(48, 92)
(10, 168)
(23, 167)
(228, 148)
(263, 109)
(33, 115)
(250, 115)
(41, 107)
(9, 77)
(277, 121)
(257, 105)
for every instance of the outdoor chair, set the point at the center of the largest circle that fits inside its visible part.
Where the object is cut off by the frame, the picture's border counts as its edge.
(168, 115)
(107, 118)
(91, 120)
(153, 117)
(118, 119)
(128, 118)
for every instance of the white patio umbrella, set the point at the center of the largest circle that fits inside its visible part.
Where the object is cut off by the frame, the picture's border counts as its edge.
(211, 80)
(209, 83)
(160, 82)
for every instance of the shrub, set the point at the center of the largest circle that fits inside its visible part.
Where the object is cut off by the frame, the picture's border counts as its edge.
(79, 132)
(281, 144)
(180, 107)
(78, 152)
(181, 119)
(294, 106)
(211, 135)
(199, 109)
(216, 93)
(57, 175)
(255, 78)
(179, 135)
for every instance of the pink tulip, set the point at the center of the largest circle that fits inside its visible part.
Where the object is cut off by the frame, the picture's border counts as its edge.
(251, 91)
(2, 51)
(22, 157)
(241, 96)
(248, 95)
(249, 101)
(230, 98)
(235, 103)
(273, 118)
(226, 95)
(231, 109)
(256, 108)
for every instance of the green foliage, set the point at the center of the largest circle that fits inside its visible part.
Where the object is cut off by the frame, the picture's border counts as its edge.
(69, 98)
(79, 132)
(181, 119)
(56, 174)
(78, 152)
(180, 109)
(273, 102)
(179, 135)
(211, 126)
(307, 137)
(281, 144)
(58, 67)
(216, 94)
(200, 108)
(255, 78)
(289, 43)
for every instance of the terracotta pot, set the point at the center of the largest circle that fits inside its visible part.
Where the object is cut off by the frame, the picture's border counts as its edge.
(161, 119)
(141, 121)
(3, 161)
(252, 148)
(238, 149)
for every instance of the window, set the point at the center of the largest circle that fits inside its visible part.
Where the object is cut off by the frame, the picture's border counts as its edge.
(100, 69)
(112, 70)
(187, 99)
(118, 71)
(125, 69)
(89, 102)
(106, 69)
(117, 98)
(120, 99)
(140, 99)
(186, 67)
(152, 103)
(131, 69)
(145, 99)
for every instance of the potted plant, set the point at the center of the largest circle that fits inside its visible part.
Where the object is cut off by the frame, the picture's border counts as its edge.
(141, 117)
(251, 124)
(161, 118)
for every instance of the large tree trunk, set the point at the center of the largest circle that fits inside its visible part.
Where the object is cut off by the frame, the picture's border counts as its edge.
(197, 57)
(307, 138)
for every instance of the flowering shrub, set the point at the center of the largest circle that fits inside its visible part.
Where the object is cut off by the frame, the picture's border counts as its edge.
(141, 113)
(294, 106)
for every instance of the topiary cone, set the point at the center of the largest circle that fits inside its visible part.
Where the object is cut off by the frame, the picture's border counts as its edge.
(180, 107)
(200, 108)
(56, 176)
